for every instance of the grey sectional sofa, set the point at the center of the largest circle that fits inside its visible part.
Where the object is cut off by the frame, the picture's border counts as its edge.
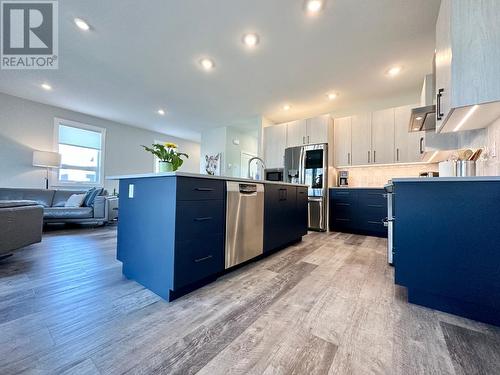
(53, 202)
(20, 225)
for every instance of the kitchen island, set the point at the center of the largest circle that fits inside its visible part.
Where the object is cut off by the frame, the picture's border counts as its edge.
(447, 244)
(172, 232)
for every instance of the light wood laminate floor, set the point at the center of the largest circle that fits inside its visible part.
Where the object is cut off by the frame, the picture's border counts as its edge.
(327, 305)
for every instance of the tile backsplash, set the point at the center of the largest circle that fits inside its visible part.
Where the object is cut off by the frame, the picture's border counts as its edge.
(377, 176)
(489, 165)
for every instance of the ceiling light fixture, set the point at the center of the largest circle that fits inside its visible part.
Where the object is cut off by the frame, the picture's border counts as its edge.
(251, 40)
(419, 118)
(394, 71)
(314, 6)
(332, 96)
(465, 118)
(81, 24)
(161, 112)
(46, 86)
(286, 107)
(207, 64)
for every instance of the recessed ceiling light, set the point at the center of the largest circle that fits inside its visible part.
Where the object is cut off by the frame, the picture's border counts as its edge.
(314, 6)
(332, 96)
(46, 86)
(207, 63)
(394, 71)
(251, 40)
(161, 112)
(286, 107)
(82, 25)
(419, 118)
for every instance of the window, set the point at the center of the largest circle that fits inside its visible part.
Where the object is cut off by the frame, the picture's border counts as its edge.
(81, 147)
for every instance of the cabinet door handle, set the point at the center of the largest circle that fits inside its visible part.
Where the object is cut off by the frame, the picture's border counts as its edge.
(203, 189)
(308, 139)
(203, 259)
(421, 145)
(397, 154)
(439, 115)
(368, 156)
(348, 158)
(303, 139)
(203, 218)
(374, 156)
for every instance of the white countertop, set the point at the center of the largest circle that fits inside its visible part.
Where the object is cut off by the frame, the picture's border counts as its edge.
(448, 179)
(196, 175)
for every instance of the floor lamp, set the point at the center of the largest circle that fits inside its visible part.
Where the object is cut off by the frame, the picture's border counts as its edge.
(46, 159)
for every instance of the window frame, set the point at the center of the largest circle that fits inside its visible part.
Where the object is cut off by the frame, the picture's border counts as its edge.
(79, 125)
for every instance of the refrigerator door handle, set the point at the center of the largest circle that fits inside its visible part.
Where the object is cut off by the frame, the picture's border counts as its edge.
(302, 166)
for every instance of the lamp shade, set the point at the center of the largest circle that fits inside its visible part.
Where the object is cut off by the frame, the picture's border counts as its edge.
(46, 159)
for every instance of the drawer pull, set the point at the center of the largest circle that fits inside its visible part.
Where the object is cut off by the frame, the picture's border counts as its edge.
(203, 189)
(338, 219)
(375, 205)
(342, 204)
(203, 259)
(203, 218)
(376, 222)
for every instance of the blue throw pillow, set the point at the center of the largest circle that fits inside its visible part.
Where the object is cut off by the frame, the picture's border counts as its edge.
(90, 197)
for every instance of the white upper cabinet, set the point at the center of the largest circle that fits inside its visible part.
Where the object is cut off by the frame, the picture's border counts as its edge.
(296, 133)
(310, 131)
(274, 145)
(361, 126)
(383, 136)
(408, 146)
(317, 129)
(467, 64)
(342, 141)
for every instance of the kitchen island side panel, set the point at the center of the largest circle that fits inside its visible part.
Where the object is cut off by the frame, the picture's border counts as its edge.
(447, 246)
(146, 232)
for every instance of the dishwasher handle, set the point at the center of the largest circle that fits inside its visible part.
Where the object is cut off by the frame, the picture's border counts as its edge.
(248, 189)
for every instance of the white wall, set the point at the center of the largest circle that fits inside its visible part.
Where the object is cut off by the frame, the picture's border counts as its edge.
(220, 140)
(26, 126)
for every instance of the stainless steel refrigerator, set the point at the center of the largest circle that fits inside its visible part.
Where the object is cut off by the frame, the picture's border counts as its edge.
(309, 165)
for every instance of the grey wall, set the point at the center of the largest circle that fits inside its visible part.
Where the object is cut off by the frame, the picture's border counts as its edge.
(26, 126)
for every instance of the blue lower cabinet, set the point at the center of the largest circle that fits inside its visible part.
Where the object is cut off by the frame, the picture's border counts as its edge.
(285, 215)
(447, 246)
(359, 211)
(197, 259)
(171, 232)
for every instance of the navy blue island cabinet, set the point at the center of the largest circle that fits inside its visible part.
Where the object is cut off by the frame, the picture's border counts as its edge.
(447, 244)
(171, 228)
(358, 211)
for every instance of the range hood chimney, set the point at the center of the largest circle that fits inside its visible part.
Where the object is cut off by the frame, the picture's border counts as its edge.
(424, 117)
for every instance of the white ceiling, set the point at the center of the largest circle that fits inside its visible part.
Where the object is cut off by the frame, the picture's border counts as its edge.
(143, 55)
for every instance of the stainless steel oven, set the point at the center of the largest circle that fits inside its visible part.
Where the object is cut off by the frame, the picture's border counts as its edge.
(389, 222)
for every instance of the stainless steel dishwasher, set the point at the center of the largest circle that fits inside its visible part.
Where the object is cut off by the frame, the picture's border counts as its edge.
(244, 222)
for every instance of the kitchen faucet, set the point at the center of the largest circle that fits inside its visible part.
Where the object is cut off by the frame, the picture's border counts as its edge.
(250, 162)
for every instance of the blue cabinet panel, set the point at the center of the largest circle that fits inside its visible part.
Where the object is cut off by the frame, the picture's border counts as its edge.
(446, 243)
(285, 215)
(198, 258)
(199, 218)
(189, 188)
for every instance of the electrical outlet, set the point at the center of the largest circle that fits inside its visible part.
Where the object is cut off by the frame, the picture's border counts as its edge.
(131, 191)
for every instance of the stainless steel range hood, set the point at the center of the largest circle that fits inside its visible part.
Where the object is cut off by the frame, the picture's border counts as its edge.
(424, 117)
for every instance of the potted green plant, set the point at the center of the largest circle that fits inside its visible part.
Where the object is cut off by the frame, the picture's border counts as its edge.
(169, 159)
